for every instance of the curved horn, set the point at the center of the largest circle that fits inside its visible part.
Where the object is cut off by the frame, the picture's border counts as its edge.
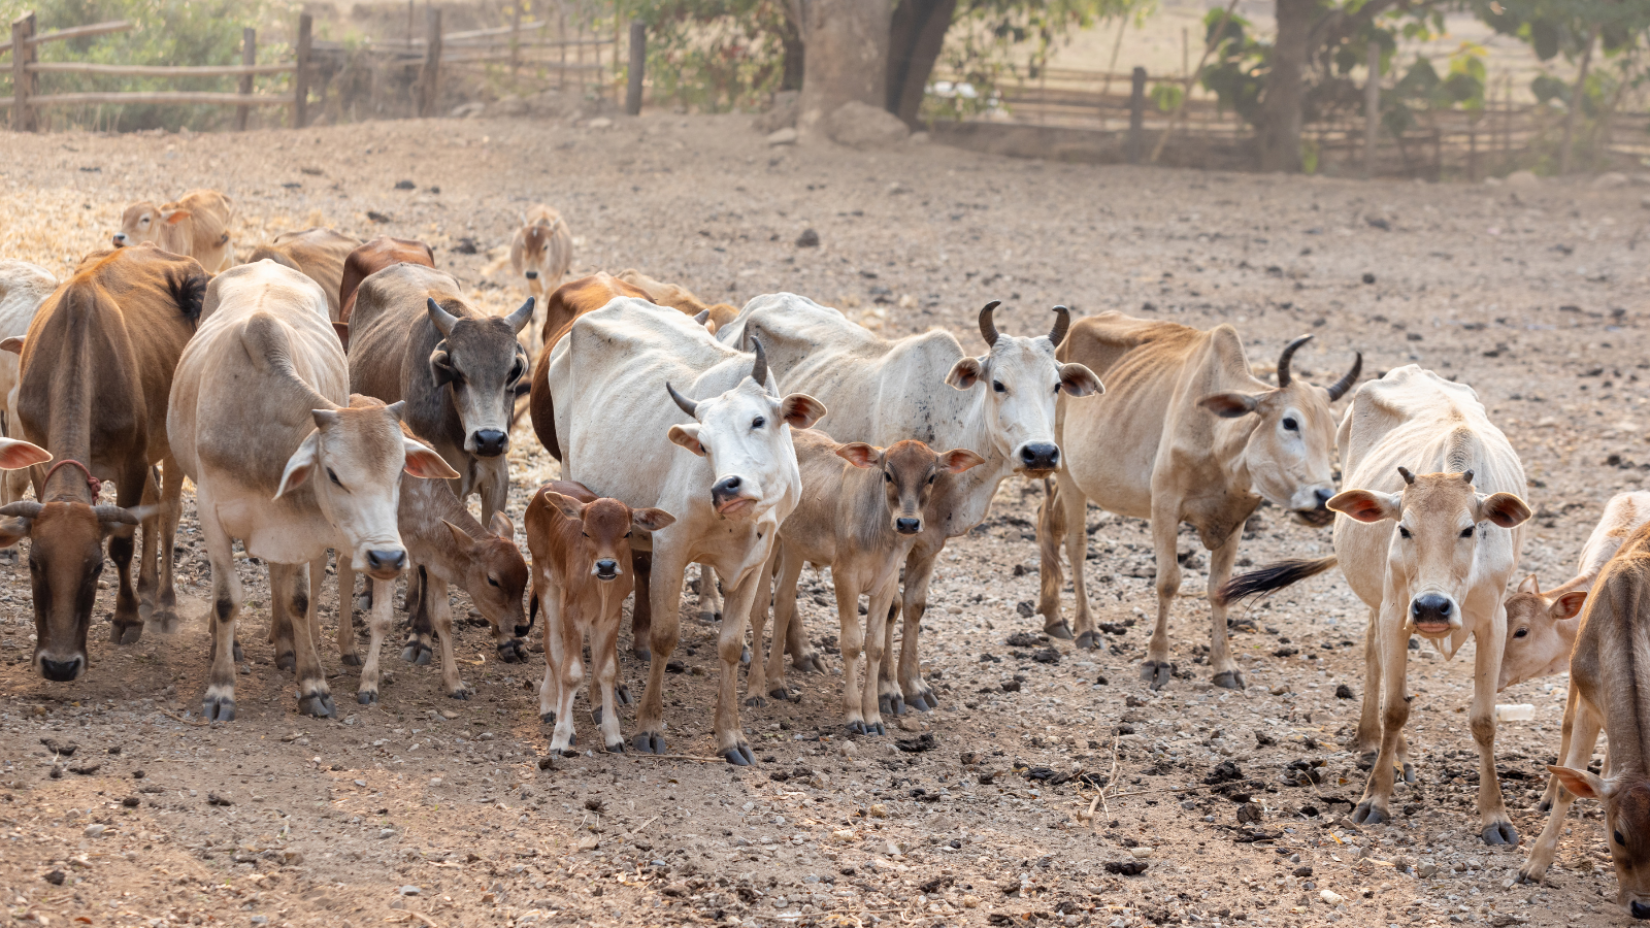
(1062, 324)
(688, 406)
(1467, 476)
(1284, 359)
(440, 318)
(759, 370)
(518, 320)
(988, 328)
(1338, 388)
(115, 514)
(27, 508)
(1409, 478)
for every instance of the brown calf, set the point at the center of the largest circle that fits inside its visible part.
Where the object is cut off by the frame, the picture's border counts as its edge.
(579, 545)
(196, 225)
(374, 256)
(318, 254)
(541, 252)
(678, 297)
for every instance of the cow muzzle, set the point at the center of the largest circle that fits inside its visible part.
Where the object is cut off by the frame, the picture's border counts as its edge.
(1312, 507)
(606, 569)
(120, 239)
(532, 275)
(490, 443)
(1434, 615)
(385, 563)
(62, 671)
(907, 526)
(1039, 459)
(730, 498)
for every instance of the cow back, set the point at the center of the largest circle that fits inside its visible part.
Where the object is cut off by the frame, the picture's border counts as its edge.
(318, 253)
(374, 256)
(391, 339)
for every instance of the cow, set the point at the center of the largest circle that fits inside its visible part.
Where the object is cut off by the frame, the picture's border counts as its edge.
(1428, 540)
(319, 253)
(678, 297)
(863, 508)
(374, 256)
(283, 458)
(632, 376)
(24, 288)
(96, 369)
(1609, 688)
(1000, 406)
(580, 544)
(1185, 433)
(541, 252)
(446, 545)
(196, 225)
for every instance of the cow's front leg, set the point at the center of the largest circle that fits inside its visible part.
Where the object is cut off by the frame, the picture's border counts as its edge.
(787, 624)
(756, 678)
(1372, 809)
(1368, 741)
(165, 615)
(549, 602)
(1492, 809)
(380, 618)
(567, 639)
(666, 600)
(1165, 529)
(127, 625)
(289, 590)
(877, 654)
(1576, 757)
(1567, 733)
(710, 596)
(859, 678)
(604, 656)
(918, 694)
(219, 705)
(641, 611)
(1227, 674)
(730, 645)
(441, 605)
(419, 648)
(347, 652)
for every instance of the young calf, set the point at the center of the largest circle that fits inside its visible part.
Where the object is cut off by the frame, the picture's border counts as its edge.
(541, 252)
(580, 547)
(1609, 688)
(862, 518)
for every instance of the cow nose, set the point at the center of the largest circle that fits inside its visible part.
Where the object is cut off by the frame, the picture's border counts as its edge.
(490, 443)
(1431, 609)
(1324, 496)
(607, 569)
(908, 526)
(1640, 910)
(532, 275)
(727, 486)
(120, 239)
(1041, 456)
(60, 671)
(386, 560)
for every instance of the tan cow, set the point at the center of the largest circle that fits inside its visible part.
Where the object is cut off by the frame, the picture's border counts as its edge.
(678, 297)
(197, 225)
(318, 253)
(1184, 433)
(96, 372)
(541, 252)
(1610, 690)
(24, 288)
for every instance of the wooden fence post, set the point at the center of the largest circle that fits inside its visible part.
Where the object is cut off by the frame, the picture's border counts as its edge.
(638, 62)
(249, 57)
(22, 55)
(300, 77)
(515, 38)
(1372, 109)
(1137, 116)
(429, 77)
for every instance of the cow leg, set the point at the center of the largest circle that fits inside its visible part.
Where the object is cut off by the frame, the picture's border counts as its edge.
(1165, 528)
(918, 694)
(149, 553)
(1492, 809)
(878, 650)
(1568, 731)
(710, 596)
(604, 656)
(289, 589)
(440, 606)
(730, 646)
(859, 678)
(493, 480)
(380, 618)
(756, 677)
(786, 620)
(127, 625)
(1051, 531)
(1227, 674)
(347, 652)
(219, 704)
(1577, 755)
(171, 500)
(641, 611)
(418, 648)
(280, 627)
(1372, 809)
(666, 601)
(1368, 740)
(549, 607)
(568, 641)
(804, 659)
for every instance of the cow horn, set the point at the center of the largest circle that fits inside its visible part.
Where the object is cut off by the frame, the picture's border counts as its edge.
(440, 318)
(1062, 323)
(1288, 354)
(26, 508)
(1467, 476)
(115, 514)
(518, 320)
(1338, 388)
(988, 328)
(688, 406)
(1409, 478)
(759, 370)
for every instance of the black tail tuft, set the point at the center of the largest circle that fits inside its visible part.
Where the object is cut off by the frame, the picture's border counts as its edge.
(1271, 577)
(189, 293)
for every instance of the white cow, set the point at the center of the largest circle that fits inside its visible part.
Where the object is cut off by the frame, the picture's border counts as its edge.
(259, 406)
(1428, 540)
(999, 406)
(613, 379)
(23, 288)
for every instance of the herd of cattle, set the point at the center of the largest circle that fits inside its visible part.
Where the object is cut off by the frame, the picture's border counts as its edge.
(295, 390)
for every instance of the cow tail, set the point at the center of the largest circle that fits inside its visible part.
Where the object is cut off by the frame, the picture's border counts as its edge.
(1270, 578)
(188, 292)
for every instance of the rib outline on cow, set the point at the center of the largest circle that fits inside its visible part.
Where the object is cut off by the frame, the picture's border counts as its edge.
(1185, 433)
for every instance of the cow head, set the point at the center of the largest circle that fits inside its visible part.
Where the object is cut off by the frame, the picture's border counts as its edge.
(530, 253)
(142, 223)
(606, 527)
(1291, 452)
(1431, 554)
(1541, 632)
(481, 364)
(353, 461)
(910, 470)
(1021, 379)
(495, 574)
(742, 434)
(1626, 798)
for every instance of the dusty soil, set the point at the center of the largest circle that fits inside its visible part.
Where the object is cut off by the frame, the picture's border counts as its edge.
(426, 811)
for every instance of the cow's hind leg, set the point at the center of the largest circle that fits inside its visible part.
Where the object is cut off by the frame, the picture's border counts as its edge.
(1566, 736)
(1226, 670)
(1165, 527)
(165, 615)
(440, 604)
(380, 618)
(149, 553)
(219, 704)
(710, 596)
(347, 651)
(641, 612)
(127, 625)
(289, 591)
(418, 649)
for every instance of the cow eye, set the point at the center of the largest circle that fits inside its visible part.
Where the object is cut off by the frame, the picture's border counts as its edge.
(1466, 533)
(1522, 633)
(334, 478)
(998, 386)
(628, 534)
(887, 477)
(1403, 532)
(517, 371)
(1291, 425)
(492, 582)
(931, 479)
(758, 422)
(1619, 839)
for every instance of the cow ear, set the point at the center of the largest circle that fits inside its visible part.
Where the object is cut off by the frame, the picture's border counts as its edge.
(425, 463)
(1529, 585)
(176, 216)
(342, 328)
(859, 454)
(1568, 606)
(569, 507)
(302, 464)
(1229, 405)
(1078, 380)
(14, 530)
(688, 437)
(441, 365)
(960, 459)
(13, 344)
(1504, 509)
(965, 373)
(1584, 783)
(16, 454)
(651, 520)
(1365, 505)
(461, 538)
(801, 411)
(502, 527)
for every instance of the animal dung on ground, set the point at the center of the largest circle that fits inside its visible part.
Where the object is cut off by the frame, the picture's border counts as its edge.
(1126, 867)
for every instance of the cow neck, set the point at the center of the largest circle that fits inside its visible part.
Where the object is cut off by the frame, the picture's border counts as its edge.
(975, 487)
(1230, 449)
(69, 429)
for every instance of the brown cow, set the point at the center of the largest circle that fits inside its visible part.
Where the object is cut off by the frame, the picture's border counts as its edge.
(96, 374)
(374, 256)
(678, 297)
(579, 543)
(196, 225)
(541, 252)
(318, 254)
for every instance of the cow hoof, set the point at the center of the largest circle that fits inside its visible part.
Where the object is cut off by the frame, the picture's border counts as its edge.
(548, 718)
(891, 704)
(596, 715)
(648, 742)
(1366, 761)
(1368, 813)
(219, 709)
(710, 618)
(923, 702)
(745, 655)
(513, 651)
(366, 697)
(1089, 641)
(165, 621)
(641, 653)
(1500, 833)
(287, 661)
(463, 692)
(1060, 630)
(785, 694)
(856, 727)
(567, 751)
(240, 653)
(1409, 773)
(1242, 625)
(616, 747)
(1527, 874)
(1229, 680)
(318, 705)
(809, 663)
(621, 693)
(1155, 673)
(522, 630)
(126, 634)
(876, 728)
(416, 652)
(739, 755)
(352, 659)
(1545, 805)
(755, 702)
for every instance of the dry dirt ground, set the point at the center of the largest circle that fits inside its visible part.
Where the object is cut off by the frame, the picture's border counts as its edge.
(425, 811)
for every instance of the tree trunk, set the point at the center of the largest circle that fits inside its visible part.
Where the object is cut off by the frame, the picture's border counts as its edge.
(1280, 125)
(846, 59)
(914, 43)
